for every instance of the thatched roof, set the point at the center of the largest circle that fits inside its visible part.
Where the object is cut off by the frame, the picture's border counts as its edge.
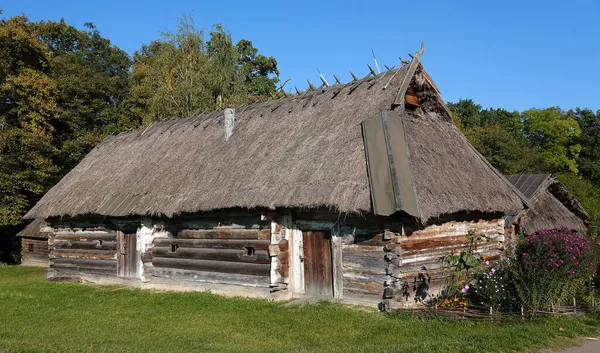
(35, 229)
(554, 205)
(299, 152)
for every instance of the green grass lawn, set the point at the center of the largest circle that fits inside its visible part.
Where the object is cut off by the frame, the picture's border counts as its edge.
(40, 316)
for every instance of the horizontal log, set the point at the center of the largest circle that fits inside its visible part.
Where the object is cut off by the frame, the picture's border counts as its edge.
(370, 240)
(84, 254)
(235, 255)
(417, 244)
(225, 233)
(86, 236)
(92, 263)
(213, 243)
(364, 287)
(211, 277)
(213, 266)
(95, 244)
(363, 249)
(363, 262)
(79, 271)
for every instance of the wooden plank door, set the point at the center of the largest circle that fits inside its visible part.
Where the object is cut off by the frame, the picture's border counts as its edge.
(318, 274)
(126, 255)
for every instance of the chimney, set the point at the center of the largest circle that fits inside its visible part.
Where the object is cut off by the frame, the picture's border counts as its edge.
(229, 122)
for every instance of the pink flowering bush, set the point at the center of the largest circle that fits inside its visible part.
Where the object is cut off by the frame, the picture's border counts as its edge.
(551, 266)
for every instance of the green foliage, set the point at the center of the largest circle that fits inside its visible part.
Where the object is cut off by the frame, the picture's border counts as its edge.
(458, 267)
(182, 75)
(553, 266)
(28, 112)
(555, 132)
(102, 319)
(588, 195)
(494, 288)
(589, 157)
(92, 77)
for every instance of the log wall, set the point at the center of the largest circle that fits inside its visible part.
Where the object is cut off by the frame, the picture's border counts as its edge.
(34, 251)
(398, 257)
(226, 249)
(414, 261)
(78, 248)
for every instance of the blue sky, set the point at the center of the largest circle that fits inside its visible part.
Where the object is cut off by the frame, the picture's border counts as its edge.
(510, 54)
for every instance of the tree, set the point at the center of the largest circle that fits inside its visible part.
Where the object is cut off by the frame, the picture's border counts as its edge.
(260, 72)
(554, 132)
(468, 111)
(28, 111)
(93, 80)
(589, 157)
(182, 75)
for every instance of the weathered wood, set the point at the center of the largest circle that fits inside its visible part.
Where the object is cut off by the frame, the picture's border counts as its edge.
(225, 233)
(337, 265)
(214, 243)
(127, 257)
(364, 262)
(373, 285)
(84, 254)
(412, 100)
(234, 255)
(318, 273)
(210, 277)
(370, 239)
(34, 251)
(90, 263)
(412, 68)
(86, 236)
(213, 266)
(96, 244)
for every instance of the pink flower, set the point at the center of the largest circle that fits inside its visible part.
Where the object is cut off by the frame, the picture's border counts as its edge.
(487, 262)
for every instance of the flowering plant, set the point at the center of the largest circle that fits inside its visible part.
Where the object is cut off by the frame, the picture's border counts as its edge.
(551, 266)
(494, 288)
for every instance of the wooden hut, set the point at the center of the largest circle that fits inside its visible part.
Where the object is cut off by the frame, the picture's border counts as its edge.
(553, 205)
(350, 191)
(34, 243)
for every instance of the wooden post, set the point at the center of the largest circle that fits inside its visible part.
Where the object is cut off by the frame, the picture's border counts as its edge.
(574, 305)
(522, 313)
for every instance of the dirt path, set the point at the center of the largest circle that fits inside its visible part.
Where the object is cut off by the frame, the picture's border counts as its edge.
(586, 345)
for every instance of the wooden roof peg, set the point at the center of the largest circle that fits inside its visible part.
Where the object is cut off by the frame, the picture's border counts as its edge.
(297, 90)
(310, 86)
(353, 76)
(337, 80)
(388, 68)
(372, 72)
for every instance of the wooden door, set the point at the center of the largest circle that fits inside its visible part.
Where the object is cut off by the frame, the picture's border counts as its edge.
(126, 255)
(318, 273)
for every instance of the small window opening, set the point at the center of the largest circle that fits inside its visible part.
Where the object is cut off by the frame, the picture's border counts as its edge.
(30, 247)
(99, 242)
(174, 247)
(249, 250)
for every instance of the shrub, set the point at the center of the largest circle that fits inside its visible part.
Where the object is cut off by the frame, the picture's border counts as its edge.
(550, 266)
(494, 288)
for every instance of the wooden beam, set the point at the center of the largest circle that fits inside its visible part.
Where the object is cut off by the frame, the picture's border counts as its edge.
(337, 262)
(412, 68)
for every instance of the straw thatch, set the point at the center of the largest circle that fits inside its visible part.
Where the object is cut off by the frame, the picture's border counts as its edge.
(35, 229)
(302, 152)
(554, 206)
